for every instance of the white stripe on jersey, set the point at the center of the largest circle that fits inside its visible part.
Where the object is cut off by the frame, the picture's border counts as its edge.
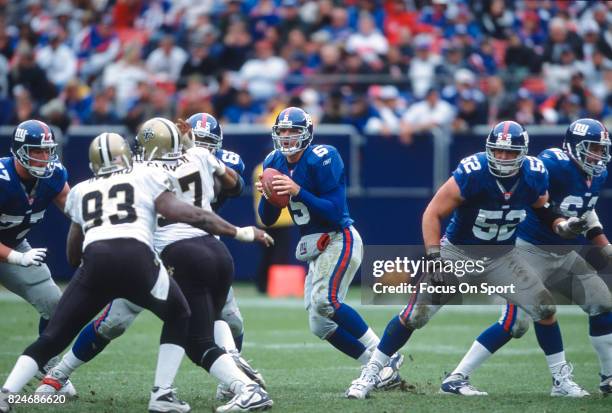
(190, 175)
(120, 205)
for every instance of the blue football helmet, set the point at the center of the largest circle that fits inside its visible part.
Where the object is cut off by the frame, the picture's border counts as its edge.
(587, 142)
(507, 136)
(292, 118)
(206, 131)
(34, 134)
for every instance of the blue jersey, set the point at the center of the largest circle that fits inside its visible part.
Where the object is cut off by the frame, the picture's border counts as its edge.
(570, 196)
(319, 172)
(233, 161)
(493, 207)
(19, 210)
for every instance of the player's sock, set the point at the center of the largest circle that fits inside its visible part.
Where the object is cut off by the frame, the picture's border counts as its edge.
(370, 340)
(600, 332)
(395, 336)
(42, 324)
(238, 340)
(69, 363)
(346, 343)
(223, 336)
(25, 368)
(168, 362)
(549, 338)
(487, 343)
(225, 370)
(350, 320)
(89, 343)
(380, 358)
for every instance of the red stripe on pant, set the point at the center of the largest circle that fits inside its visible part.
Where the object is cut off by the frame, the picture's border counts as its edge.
(509, 317)
(337, 277)
(103, 316)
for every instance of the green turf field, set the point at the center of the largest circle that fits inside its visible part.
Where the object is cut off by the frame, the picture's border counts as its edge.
(305, 374)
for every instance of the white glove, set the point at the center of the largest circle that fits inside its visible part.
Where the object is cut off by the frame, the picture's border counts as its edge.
(35, 256)
(217, 166)
(245, 234)
(571, 227)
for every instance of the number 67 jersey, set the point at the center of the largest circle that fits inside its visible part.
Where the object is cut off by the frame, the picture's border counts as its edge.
(118, 205)
(493, 207)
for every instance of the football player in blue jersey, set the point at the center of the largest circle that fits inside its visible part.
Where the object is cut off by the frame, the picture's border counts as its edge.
(30, 180)
(577, 174)
(314, 177)
(488, 195)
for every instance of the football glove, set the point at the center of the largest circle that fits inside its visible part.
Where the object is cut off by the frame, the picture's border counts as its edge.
(35, 256)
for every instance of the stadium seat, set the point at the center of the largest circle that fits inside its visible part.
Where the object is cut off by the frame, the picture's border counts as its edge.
(286, 281)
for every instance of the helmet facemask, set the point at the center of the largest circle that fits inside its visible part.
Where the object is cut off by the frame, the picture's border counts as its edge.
(206, 139)
(290, 144)
(24, 157)
(592, 162)
(504, 168)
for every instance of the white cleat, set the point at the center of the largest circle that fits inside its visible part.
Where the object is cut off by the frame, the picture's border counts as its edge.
(564, 384)
(247, 369)
(165, 401)
(389, 375)
(367, 381)
(251, 398)
(5, 406)
(460, 385)
(224, 393)
(56, 382)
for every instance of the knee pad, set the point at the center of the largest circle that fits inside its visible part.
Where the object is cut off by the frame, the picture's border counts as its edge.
(419, 317)
(321, 305)
(520, 327)
(111, 328)
(44, 297)
(233, 318)
(320, 326)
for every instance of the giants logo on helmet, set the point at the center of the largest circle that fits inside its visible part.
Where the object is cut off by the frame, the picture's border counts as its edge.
(581, 129)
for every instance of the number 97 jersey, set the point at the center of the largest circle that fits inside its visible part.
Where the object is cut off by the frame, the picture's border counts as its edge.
(119, 205)
(493, 207)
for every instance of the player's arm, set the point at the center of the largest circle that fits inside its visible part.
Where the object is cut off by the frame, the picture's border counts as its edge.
(327, 206)
(60, 199)
(596, 235)
(35, 256)
(567, 228)
(444, 202)
(74, 244)
(268, 213)
(176, 210)
(227, 176)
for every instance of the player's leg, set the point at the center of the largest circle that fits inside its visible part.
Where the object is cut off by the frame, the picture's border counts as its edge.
(532, 296)
(206, 292)
(330, 276)
(116, 317)
(232, 316)
(589, 291)
(34, 284)
(513, 323)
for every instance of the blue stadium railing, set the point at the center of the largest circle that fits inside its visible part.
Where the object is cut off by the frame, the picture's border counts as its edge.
(389, 183)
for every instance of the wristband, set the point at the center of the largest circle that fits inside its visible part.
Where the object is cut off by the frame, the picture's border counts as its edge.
(245, 234)
(14, 257)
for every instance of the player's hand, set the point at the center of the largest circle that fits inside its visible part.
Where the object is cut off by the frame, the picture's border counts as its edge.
(35, 256)
(263, 237)
(183, 126)
(607, 252)
(433, 257)
(259, 185)
(283, 185)
(571, 227)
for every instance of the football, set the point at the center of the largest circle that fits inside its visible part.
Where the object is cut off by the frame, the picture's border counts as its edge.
(279, 201)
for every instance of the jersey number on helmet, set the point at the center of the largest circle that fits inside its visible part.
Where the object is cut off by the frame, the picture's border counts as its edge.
(499, 225)
(125, 210)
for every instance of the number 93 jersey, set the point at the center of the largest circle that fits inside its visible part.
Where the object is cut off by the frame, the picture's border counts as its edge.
(319, 171)
(118, 205)
(191, 179)
(493, 207)
(571, 195)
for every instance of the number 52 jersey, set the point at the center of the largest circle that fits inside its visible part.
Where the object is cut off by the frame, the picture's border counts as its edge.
(493, 207)
(118, 205)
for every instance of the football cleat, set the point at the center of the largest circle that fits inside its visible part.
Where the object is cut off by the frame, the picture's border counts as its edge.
(247, 369)
(224, 393)
(251, 398)
(460, 385)
(389, 377)
(166, 400)
(605, 386)
(367, 381)
(5, 406)
(564, 384)
(56, 382)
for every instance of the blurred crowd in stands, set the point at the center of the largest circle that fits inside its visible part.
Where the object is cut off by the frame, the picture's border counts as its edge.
(388, 67)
